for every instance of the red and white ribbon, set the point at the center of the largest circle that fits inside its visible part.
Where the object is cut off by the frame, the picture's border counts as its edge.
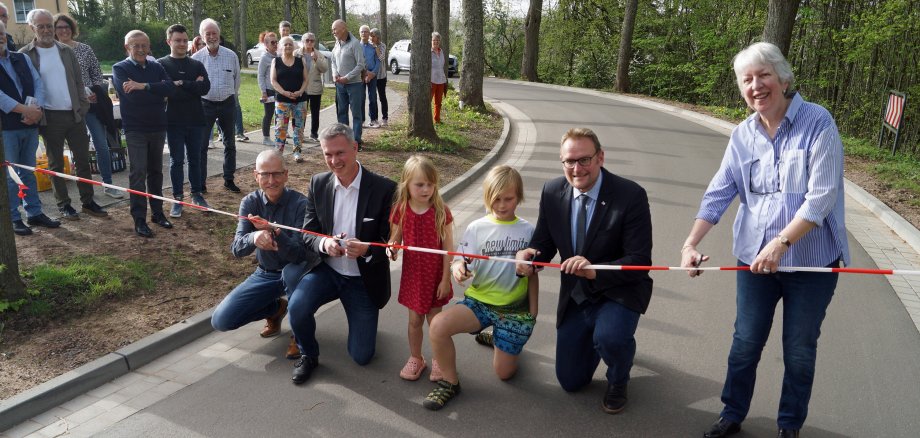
(460, 254)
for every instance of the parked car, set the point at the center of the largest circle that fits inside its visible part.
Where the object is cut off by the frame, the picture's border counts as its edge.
(398, 60)
(254, 54)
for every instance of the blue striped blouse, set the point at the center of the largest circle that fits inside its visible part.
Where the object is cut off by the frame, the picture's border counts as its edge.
(799, 173)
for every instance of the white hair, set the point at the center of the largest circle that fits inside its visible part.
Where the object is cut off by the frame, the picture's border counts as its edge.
(436, 35)
(309, 36)
(364, 26)
(764, 54)
(207, 22)
(134, 34)
(34, 13)
(5, 9)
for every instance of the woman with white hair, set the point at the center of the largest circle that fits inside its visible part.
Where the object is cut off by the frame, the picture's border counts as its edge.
(381, 49)
(785, 164)
(289, 79)
(438, 78)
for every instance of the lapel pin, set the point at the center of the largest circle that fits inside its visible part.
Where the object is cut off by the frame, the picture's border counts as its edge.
(603, 203)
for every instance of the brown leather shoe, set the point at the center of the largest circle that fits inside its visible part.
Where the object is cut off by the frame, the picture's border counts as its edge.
(293, 352)
(273, 324)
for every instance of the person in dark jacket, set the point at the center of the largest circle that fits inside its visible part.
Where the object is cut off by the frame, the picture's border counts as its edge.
(185, 118)
(143, 86)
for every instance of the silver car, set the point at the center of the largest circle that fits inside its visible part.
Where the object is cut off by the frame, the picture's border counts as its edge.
(398, 59)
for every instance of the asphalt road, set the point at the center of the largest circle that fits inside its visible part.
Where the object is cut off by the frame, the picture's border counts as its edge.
(867, 380)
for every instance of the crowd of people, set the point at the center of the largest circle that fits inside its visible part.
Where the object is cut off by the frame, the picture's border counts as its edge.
(784, 163)
(175, 100)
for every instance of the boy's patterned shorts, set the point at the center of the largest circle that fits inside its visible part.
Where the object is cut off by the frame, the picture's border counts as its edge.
(513, 323)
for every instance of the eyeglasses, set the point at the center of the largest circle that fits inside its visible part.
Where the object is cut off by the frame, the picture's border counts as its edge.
(65, 27)
(309, 41)
(275, 175)
(272, 43)
(43, 27)
(139, 46)
(583, 162)
(762, 184)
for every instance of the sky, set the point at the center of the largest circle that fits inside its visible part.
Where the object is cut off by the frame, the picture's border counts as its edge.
(405, 6)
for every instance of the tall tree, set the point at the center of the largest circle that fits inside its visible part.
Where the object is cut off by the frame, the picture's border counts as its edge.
(780, 21)
(344, 11)
(625, 54)
(532, 41)
(287, 12)
(241, 45)
(11, 286)
(384, 28)
(473, 54)
(161, 9)
(441, 19)
(420, 122)
(313, 17)
(118, 10)
(197, 15)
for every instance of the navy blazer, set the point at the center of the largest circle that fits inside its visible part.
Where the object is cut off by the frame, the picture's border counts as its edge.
(372, 224)
(620, 233)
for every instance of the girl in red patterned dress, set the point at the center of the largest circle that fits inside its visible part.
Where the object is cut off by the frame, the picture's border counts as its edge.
(420, 218)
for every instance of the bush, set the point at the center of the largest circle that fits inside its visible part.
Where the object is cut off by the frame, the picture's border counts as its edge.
(109, 41)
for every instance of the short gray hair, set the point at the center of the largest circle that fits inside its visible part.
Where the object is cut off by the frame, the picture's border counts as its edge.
(364, 26)
(34, 13)
(269, 155)
(134, 34)
(435, 35)
(207, 22)
(308, 36)
(336, 129)
(764, 54)
(286, 39)
(3, 6)
(375, 32)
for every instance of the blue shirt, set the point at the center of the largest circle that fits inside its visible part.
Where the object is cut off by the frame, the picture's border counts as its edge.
(799, 173)
(289, 210)
(592, 202)
(371, 63)
(7, 103)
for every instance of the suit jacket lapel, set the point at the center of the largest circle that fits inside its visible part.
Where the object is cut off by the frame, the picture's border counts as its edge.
(364, 193)
(604, 201)
(329, 209)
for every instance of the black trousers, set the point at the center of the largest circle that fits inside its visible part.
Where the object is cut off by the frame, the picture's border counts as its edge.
(269, 113)
(145, 172)
(382, 95)
(313, 100)
(224, 113)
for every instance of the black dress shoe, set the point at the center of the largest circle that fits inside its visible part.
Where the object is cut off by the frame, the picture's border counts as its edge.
(615, 398)
(42, 220)
(141, 228)
(722, 428)
(93, 209)
(229, 185)
(162, 221)
(788, 433)
(303, 369)
(20, 229)
(68, 213)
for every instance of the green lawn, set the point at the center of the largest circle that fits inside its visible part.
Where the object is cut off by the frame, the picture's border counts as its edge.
(253, 109)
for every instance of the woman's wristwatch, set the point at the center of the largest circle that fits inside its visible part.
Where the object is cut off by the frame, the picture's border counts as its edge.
(784, 240)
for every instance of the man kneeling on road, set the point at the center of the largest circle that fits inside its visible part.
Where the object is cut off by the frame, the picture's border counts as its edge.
(352, 203)
(261, 295)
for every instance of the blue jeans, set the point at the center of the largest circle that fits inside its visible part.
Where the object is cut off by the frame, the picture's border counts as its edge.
(239, 117)
(254, 299)
(590, 332)
(350, 95)
(185, 141)
(101, 143)
(323, 285)
(19, 147)
(372, 98)
(805, 296)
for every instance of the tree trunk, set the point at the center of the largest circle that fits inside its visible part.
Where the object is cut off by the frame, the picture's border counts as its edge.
(161, 9)
(625, 55)
(287, 12)
(420, 122)
(532, 41)
(473, 54)
(313, 17)
(132, 8)
(118, 10)
(441, 19)
(11, 286)
(344, 11)
(384, 31)
(241, 30)
(780, 21)
(197, 16)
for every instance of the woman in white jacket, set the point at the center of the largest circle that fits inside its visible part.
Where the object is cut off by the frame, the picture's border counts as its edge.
(316, 64)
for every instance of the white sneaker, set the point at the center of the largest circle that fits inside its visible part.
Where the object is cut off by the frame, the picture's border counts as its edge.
(384, 123)
(113, 193)
(267, 141)
(297, 157)
(373, 124)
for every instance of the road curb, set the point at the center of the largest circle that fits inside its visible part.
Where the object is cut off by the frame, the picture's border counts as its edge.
(904, 229)
(54, 392)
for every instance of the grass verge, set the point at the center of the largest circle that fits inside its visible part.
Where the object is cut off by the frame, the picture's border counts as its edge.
(898, 171)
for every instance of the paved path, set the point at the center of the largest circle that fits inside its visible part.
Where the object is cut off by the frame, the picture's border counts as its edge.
(237, 384)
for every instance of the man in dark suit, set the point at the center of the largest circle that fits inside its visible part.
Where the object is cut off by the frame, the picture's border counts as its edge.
(352, 204)
(592, 216)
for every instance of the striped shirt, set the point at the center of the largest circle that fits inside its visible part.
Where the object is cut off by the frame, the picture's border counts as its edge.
(223, 72)
(799, 173)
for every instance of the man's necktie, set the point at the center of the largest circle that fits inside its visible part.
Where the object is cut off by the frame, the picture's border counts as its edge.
(581, 222)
